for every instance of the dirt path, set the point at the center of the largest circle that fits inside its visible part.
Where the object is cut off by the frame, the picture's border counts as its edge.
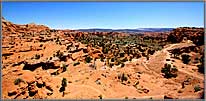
(159, 58)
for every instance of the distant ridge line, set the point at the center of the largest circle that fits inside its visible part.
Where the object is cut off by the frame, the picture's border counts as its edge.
(127, 30)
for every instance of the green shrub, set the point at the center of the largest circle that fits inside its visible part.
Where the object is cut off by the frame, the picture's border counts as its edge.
(186, 58)
(88, 59)
(18, 81)
(197, 88)
(62, 89)
(64, 82)
(169, 71)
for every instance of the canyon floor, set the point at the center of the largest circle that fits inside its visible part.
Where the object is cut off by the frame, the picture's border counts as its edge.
(33, 69)
(84, 82)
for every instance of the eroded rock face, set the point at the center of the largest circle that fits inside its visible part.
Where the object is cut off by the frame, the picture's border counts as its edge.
(44, 65)
(194, 34)
(184, 48)
(9, 27)
(41, 74)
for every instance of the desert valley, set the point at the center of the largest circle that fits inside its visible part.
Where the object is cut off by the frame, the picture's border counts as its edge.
(43, 63)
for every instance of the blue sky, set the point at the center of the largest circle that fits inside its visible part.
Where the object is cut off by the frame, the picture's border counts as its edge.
(115, 15)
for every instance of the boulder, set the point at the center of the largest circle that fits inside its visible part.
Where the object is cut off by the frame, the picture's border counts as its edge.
(28, 77)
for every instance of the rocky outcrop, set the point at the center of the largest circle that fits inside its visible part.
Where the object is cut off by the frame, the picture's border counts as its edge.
(191, 33)
(11, 28)
(44, 65)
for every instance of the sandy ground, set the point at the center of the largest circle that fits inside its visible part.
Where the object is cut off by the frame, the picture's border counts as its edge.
(144, 79)
(81, 78)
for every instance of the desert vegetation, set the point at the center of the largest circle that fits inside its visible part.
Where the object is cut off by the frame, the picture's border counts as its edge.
(43, 63)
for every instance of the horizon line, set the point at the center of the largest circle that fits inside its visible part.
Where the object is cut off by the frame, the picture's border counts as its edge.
(64, 28)
(124, 28)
